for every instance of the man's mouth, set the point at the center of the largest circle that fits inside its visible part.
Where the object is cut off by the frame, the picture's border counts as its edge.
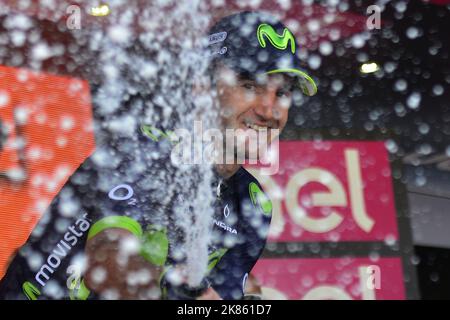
(257, 127)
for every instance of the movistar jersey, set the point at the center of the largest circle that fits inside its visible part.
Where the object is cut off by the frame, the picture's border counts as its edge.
(134, 185)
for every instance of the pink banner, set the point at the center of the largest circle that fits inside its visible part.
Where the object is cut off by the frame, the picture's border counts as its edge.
(331, 279)
(332, 191)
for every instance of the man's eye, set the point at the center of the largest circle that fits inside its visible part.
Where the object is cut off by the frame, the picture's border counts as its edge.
(283, 93)
(249, 86)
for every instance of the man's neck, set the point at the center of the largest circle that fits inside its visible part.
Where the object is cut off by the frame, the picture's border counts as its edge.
(227, 170)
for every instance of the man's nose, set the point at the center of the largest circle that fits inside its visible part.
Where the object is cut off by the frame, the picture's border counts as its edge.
(267, 104)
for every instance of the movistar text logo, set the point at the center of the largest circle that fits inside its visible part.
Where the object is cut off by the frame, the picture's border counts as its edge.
(279, 42)
(62, 249)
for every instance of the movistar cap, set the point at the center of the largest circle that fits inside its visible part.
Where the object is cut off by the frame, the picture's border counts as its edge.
(256, 42)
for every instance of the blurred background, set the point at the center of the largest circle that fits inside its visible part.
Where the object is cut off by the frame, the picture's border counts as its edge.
(383, 75)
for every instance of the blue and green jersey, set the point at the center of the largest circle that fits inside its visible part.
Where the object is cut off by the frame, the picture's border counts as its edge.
(131, 186)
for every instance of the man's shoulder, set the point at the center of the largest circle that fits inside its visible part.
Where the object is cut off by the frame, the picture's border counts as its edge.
(254, 191)
(246, 177)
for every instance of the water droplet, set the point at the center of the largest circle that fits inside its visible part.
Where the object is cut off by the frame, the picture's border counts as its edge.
(437, 90)
(413, 100)
(326, 48)
(314, 61)
(412, 32)
(400, 85)
(337, 85)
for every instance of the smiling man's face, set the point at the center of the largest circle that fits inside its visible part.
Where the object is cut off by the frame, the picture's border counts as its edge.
(254, 104)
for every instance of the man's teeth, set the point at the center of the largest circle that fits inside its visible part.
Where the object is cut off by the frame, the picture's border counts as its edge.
(256, 127)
